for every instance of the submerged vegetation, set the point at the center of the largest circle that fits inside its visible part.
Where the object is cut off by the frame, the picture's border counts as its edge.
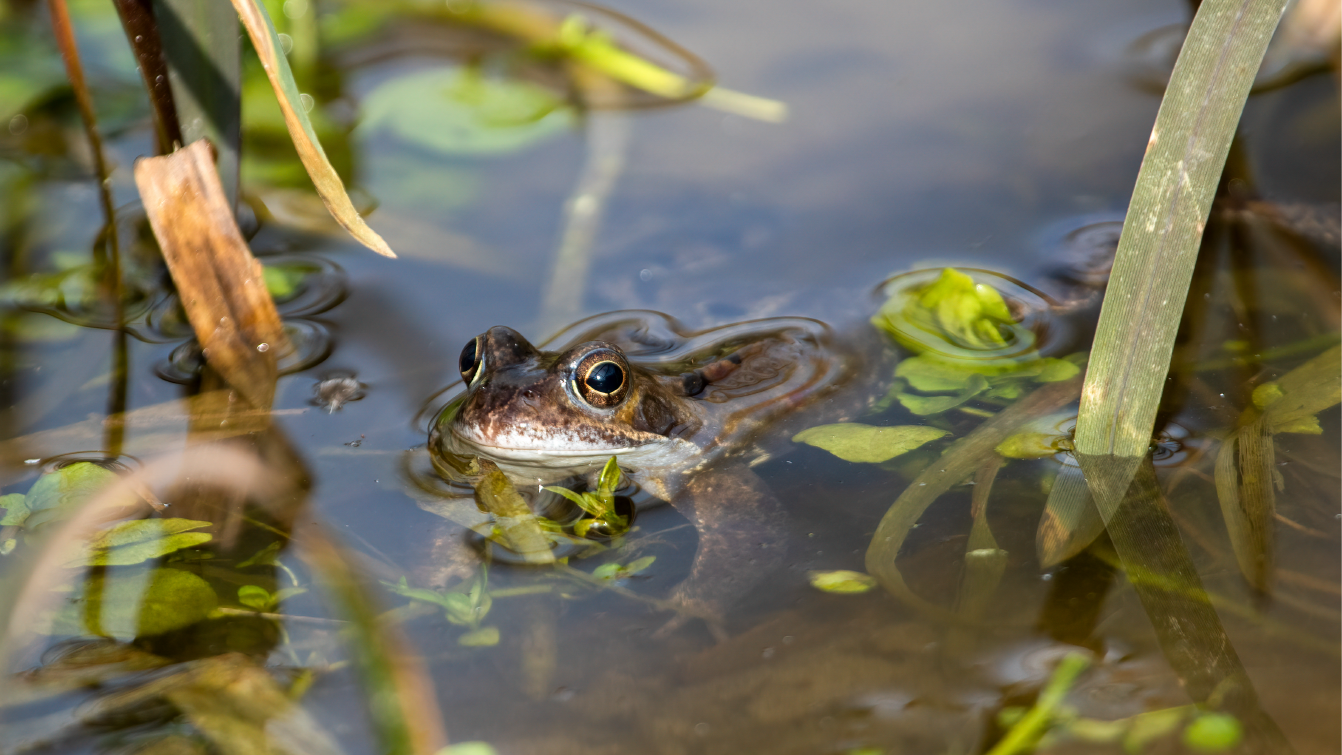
(177, 590)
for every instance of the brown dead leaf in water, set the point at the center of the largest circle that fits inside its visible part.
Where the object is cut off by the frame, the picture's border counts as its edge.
(323, 175)
(220, 282)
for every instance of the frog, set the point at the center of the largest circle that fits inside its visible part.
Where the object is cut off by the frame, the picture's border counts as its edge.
(682, 411)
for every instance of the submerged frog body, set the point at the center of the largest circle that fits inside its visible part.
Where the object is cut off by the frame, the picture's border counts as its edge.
(675, 407)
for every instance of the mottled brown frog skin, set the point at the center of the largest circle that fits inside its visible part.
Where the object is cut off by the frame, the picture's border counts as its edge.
(675, 422)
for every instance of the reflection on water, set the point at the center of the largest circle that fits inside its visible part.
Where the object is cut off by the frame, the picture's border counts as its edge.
(915, 143)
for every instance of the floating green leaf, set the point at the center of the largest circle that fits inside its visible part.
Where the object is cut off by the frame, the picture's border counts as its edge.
(58, 493)
(841, 581)
(136, 542)
(461, 111)
(851, 441)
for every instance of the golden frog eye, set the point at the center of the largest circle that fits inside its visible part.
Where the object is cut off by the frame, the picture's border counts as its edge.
(471, 361)
(601, 378)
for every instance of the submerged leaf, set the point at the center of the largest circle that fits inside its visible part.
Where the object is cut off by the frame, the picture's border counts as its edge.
(1071, 522)
(136, 542)
(851, 441)
(16, 509)
(137, 602)
(841, 581)
(925, 405)
(519, 527)
(1029, 445)
(462, 111)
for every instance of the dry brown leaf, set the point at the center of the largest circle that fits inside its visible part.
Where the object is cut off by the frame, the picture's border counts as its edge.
(221, 284)
(323, 175)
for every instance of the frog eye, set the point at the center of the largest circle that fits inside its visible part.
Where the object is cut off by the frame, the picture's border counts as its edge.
(471, 361)
(601, 378)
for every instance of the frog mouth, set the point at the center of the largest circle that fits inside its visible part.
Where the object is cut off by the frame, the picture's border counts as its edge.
(530, 446)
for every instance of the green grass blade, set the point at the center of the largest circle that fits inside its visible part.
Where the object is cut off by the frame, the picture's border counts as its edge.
(1163, 229)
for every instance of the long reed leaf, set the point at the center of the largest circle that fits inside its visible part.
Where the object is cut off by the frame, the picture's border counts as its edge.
(324, 176)
(1161, 235)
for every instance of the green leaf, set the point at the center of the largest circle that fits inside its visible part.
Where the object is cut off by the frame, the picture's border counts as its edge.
(1056, 370)
(1147, 727)
(851, 441)
(584, 501)
(841, 581)
(1162, 232)
(925, 405)
(267, 556)
(639, 565)
(256, 597)
(266, 42)
(480, 638)
(139, 541)
(461, 111)
(16, 509)
(607, 483)
(607, 571)
(1214, 732)
(136, 602)
(933, 375)
(458, 608)
(281, 282)
(1029, 445)
(59, 493)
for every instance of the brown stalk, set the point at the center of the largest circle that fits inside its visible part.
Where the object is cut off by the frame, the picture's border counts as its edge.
(74, 70)
(137, 18)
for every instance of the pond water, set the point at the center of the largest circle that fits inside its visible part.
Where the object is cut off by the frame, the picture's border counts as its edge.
(998, 135)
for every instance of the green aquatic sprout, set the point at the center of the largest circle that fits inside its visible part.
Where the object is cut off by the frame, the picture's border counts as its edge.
(617, 571)
(466, 608)
(600, 504)
(260, 599)
(966, 345)
(270, 556)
